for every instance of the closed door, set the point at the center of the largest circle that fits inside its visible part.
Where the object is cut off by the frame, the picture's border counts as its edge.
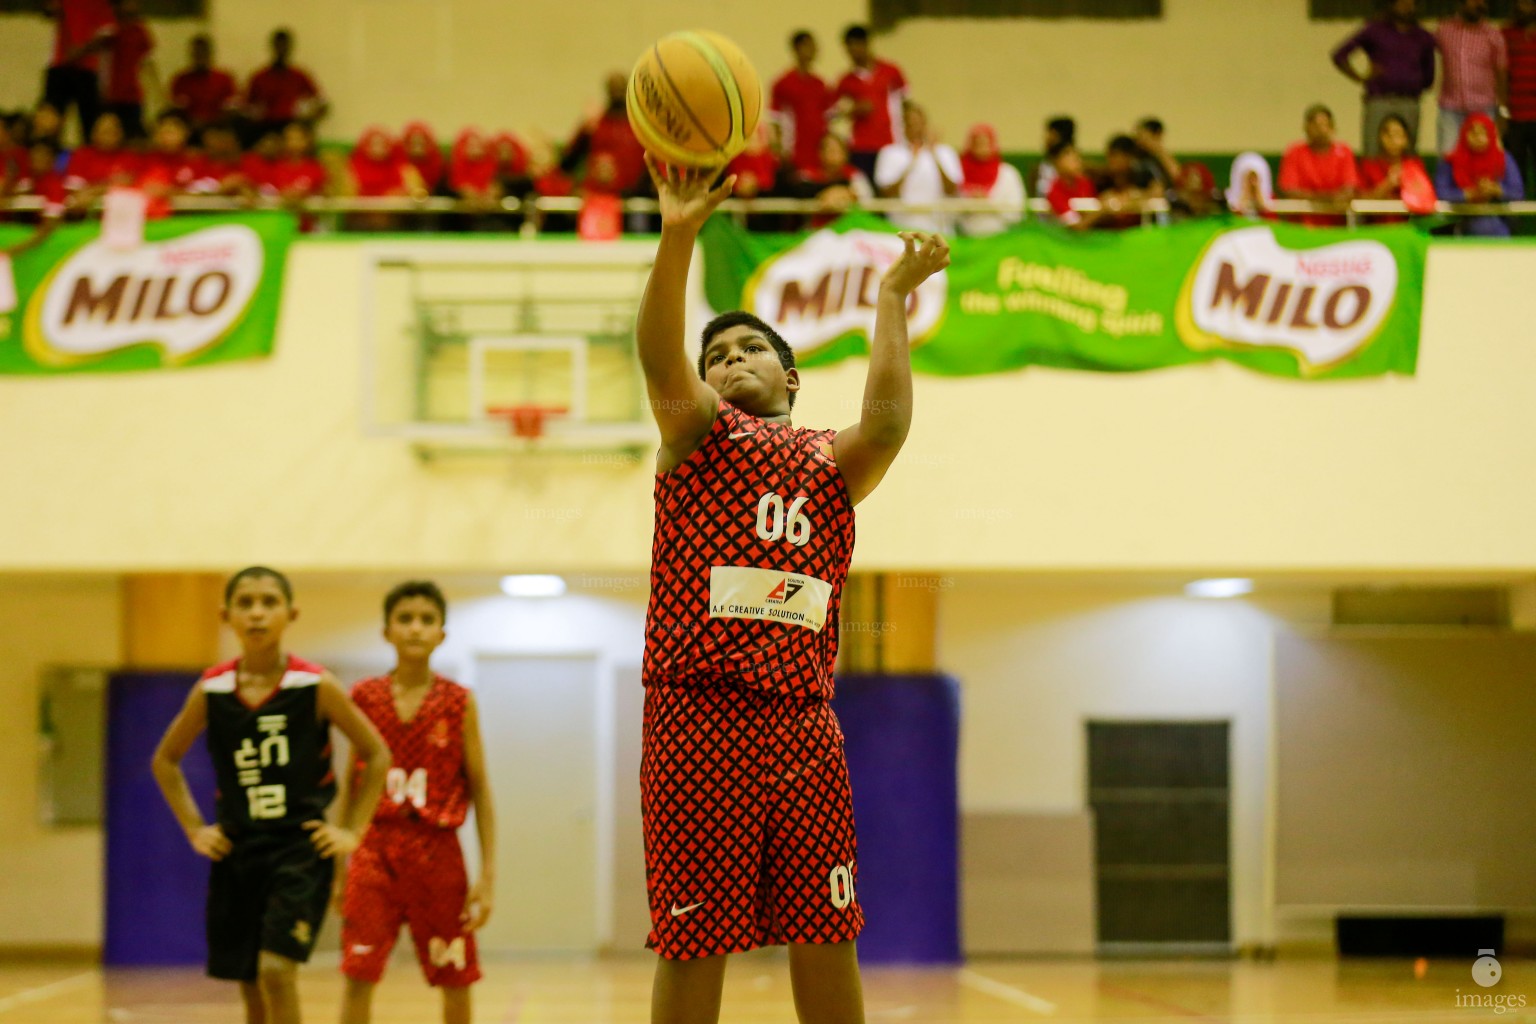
(1161, 805)
(538, 721)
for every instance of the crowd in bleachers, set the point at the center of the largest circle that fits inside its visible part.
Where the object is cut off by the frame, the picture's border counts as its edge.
(834, 144)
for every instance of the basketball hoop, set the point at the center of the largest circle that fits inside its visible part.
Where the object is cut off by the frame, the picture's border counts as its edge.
(526, 421)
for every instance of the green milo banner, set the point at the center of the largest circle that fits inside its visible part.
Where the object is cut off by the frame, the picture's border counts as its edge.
(195, 290)
(1276, 298)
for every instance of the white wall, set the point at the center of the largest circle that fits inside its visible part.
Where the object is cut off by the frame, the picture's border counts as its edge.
(1038, 470)
(1036, 663)
(50, 878)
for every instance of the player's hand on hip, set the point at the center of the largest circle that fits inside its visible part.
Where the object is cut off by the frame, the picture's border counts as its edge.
(684, 194)
(211, 842)
(924, 255)
(331, 840)
(477, 906)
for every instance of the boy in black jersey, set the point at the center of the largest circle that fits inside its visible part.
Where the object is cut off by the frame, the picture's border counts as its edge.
(268, 716)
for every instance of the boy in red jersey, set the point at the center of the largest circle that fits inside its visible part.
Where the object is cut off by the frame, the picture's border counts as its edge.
(410, 868)
(800, 100)
(744, 787)
(874, 90)
(268, 715)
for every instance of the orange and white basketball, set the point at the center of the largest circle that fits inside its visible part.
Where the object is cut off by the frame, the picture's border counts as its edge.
(694, 99)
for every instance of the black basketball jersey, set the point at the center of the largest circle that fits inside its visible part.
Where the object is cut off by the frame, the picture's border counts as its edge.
(272, 761)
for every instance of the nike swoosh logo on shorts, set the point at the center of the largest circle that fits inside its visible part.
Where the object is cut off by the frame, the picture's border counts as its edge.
(680, 911)
(744, 433)
(362, 949)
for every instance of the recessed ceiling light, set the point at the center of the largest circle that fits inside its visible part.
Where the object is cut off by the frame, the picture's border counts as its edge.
(1226, 587)
(532, 586)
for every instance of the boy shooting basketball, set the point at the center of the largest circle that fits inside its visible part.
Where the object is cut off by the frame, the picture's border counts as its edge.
(748, 813)
(268, 716)
(410, 869)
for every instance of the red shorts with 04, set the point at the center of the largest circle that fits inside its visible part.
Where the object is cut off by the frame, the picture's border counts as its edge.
(407, 874)
(748, 822)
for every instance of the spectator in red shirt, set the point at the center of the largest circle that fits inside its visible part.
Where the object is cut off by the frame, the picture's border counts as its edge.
(380, 168)
(1520, 45)
(756, 167)
(1475, 69)
(298, 174)
(874, 90)
(1126, 184)
(1071, 182)
(606, 130)
(1059, 131)
(40, 177)
(169, 168)
(202, 90)
(280, 92)
(473, 171)
(102, 162)
(512, 160)
(46, 123)
(421, 149)
(1197, 195)
(169, 159)
(128, 48)
(800, 100)
(261, 161)
(79, 38)
(834, 183)
(222, 169)
(1382, 176)
(548, 181)
(1321, 168)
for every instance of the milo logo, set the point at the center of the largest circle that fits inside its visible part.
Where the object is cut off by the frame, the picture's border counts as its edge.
(826, 287)
(1324, 304)
(182, 295)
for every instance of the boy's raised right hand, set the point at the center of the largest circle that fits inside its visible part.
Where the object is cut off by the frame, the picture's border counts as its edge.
(211, 842)
(684, 194)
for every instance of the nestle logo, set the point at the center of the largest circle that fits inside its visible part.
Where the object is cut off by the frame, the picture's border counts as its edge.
(1333, 267)
(208, 254)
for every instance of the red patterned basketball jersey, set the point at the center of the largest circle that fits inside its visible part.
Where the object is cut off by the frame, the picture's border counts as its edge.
(754, 534)
(427, 781)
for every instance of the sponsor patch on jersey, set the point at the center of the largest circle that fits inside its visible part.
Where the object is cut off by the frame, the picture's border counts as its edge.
(746, 592)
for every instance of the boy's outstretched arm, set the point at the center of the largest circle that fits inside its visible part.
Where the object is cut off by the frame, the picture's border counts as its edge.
(207, 840)
(682, 404)
(368, 747)
(865, 450)
(482, 895)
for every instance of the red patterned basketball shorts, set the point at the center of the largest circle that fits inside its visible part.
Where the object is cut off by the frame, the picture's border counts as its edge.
(407, 874)
(748, 822)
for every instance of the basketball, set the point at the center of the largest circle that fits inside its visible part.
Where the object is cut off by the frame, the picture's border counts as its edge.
(694, 99)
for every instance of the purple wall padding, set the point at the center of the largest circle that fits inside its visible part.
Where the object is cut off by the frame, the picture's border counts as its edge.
(903, 743)
(156, 887)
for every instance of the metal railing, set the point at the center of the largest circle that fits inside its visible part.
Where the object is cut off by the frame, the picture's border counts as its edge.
(531, 209)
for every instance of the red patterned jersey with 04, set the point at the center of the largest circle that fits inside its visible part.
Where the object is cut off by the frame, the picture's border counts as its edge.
(426, 782)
